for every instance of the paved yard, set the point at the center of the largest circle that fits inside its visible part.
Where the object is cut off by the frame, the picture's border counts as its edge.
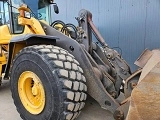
(92, 111)
(7, 108)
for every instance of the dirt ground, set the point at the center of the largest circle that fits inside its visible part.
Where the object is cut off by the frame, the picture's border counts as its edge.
(92, 110)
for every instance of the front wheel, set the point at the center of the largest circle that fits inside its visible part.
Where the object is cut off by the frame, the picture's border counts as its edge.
(47, 83)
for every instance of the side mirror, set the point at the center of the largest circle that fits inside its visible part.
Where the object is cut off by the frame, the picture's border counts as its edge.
(56, 9)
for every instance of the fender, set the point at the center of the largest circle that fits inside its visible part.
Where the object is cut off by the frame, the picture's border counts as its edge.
(19, 42)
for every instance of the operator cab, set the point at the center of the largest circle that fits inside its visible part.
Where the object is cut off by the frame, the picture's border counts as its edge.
(40, 9)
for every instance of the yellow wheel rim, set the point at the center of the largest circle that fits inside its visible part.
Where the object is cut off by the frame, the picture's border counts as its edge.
(31, 92)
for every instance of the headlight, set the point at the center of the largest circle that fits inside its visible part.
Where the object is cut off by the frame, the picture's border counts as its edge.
(27, 14)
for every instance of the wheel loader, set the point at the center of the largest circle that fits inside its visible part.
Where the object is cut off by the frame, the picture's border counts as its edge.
(53, 67)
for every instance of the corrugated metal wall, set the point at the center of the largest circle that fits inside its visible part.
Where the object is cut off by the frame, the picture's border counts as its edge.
(131, 25)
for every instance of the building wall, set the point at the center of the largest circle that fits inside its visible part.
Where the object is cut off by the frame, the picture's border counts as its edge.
(130, 25)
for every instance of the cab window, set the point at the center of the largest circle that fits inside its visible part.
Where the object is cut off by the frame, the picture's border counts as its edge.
(15, 13)
(43, 10)
(4, 13)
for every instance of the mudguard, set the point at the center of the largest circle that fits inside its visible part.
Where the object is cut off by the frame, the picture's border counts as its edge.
(26, 40)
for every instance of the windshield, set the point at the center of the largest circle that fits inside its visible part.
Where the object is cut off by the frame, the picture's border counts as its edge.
(43, 10)
(39, 8)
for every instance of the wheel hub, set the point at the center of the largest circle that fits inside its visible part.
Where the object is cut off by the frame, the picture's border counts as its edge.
(35, 90)
(31, 92)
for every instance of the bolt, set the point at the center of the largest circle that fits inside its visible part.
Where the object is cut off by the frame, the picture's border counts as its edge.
(133, 85)
(113, 94)
(118, 115)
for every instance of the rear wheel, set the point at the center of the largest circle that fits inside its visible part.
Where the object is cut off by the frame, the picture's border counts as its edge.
(47, 83)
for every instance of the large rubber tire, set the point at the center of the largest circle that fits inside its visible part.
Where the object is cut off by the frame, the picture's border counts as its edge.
(62, 79)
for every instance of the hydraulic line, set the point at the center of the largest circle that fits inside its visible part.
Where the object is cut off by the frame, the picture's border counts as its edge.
(67, 29)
